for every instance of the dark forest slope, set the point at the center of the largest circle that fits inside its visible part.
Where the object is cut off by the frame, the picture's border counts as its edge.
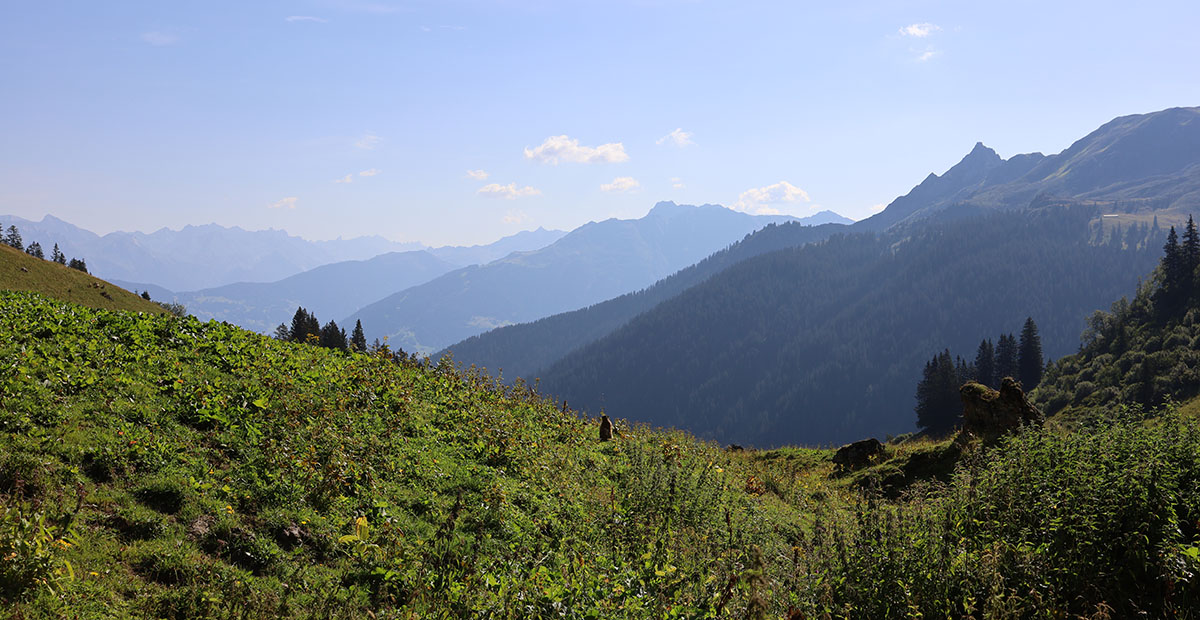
(825, 343)
(522, 350)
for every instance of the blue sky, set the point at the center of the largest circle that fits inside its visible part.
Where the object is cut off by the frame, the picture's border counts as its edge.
(347, 117)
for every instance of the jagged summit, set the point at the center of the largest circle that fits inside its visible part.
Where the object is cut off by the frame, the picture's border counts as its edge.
(1130, 159)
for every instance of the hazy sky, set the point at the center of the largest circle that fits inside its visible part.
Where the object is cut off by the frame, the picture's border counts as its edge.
(456, 121)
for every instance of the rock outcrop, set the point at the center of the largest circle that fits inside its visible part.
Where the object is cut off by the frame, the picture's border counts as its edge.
(858, 454)
(988, 413)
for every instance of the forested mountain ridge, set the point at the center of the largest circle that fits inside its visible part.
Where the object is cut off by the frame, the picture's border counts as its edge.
(522, 350)
(1144, 350)
(824, 343)
(594, 262)
(1151, 161)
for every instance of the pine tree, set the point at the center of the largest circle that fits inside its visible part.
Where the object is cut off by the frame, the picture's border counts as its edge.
(1030, 365)
(333, 337)
(938, 406)
(35, 250)
(985, 364)
(146, 295)
(13, 238)
(302, 323)
(78, 263)
(358, 341)
(1174, 269)
(1006, 358)
(1191, 249)
(282, 333)
(57, 256)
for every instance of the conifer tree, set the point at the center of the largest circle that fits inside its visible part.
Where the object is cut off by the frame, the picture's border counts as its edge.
(78, 263)
(35, 250)
(146, 295)
(938, 405)
(303, 325)
(1030, 365)
(1006, 358)
(57, 256)
(13, 238)
(1174, 268)
(358, 341)
(333, 337)
(1191, 249)
(282, 332)
(985, 364)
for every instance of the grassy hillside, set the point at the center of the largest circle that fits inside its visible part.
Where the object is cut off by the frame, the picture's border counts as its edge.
(22, 272)
(160, 466)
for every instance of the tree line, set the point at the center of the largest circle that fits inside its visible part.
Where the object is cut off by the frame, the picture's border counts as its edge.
(307, 329)
(13, 239)
(938, 406)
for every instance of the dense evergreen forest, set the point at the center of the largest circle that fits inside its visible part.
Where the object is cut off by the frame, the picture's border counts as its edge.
(939, 408)
(1144, 351)
(522, 350)
(824, 343)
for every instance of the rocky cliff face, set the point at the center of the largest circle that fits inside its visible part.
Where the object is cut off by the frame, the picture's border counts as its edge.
(988, 413)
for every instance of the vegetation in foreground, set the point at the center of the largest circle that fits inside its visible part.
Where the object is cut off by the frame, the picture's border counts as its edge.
(159, 466)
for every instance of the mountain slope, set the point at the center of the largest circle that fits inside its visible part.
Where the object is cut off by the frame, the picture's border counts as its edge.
(523, 241)
(1150, 160)
(523, 350)
(154, 466)
(22, 272)
(594, 262)
(825, 343)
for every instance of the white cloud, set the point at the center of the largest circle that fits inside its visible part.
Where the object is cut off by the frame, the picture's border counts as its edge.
(507, 192)
(621, 184)
(677, 183)
(562, 148)
(304, 18)
(920, 30)
(926, 54)
(349, 178)
(159, 39)
(762, 200)
(679, 138)
(516, 216)
(368, 141)
(478, 175)
(285, 203)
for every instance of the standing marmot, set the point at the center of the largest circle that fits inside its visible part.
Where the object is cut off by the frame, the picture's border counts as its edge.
(606, 428)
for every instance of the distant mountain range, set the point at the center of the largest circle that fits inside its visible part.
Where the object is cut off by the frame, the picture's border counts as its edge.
(199, 257)
(329, 291)
(825, 342)
(594, 262)
(332, 291)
